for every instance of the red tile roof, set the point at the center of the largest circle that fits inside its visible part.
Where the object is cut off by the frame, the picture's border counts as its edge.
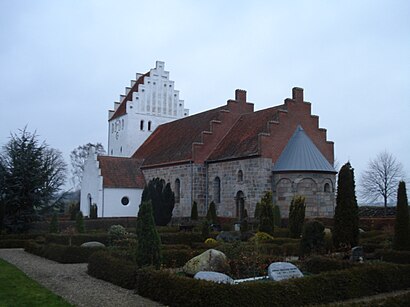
(172, 142)
(119, 172)
(122, 108)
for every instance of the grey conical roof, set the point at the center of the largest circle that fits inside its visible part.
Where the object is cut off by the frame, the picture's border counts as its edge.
(300, 154)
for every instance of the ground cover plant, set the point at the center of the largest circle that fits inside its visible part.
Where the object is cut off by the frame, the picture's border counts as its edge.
(19, 290)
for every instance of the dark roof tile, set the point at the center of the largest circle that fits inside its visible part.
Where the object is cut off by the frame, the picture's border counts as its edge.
(119, 172)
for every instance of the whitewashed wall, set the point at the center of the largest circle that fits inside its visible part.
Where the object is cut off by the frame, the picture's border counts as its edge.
(112, 202)
(91, 185)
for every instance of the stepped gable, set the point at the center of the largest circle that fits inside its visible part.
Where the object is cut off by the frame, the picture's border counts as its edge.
(300, 154)
(122, 108)
(172, 142)
(118, 172)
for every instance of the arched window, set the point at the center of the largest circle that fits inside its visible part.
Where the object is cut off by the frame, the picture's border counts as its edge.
(122, 124)
(177, 191)
(141, 125)
(217, 190)
(326, 188)
(240, 176)
(149, 126)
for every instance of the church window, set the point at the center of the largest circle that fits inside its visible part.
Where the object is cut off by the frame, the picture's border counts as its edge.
(165, 84)
(217, 190)
(177, 190)
(149, 126)
(122, 124)
(154, 83)
(142, 90)
(125, 201)
(170, 85)
(240, 176)
(326, 188)
(112, 152)
(142, 125)
(121, 149)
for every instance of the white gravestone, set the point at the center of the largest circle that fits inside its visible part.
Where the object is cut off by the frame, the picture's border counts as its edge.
(214, 276)
(283, 270)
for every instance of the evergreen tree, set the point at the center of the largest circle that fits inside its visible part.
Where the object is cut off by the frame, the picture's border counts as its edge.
(244, 222)
(149, 241)
(93, 211)
(313, 238)
(79, 222)
(194, 211)
(346, 219)
(54, 224)
(211, 214)
(162, 199)
(401, 239)
(296, 216)
(277, 221)
(205, 229)
(266, 223)
(257, 211)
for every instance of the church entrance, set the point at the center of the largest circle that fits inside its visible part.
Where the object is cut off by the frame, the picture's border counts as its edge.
(240, 204)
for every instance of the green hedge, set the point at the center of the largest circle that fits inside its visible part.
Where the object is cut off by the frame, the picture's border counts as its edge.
(397, 300)
(13, 243)
(327, 287)
(76, 239)
(186, 238)
(103, 265)
(61, 253)
(399, 257)
(320, 264)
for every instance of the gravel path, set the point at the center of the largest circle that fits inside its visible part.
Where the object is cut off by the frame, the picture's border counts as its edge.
(72, 282)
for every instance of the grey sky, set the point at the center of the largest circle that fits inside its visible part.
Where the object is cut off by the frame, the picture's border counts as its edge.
(63, 63)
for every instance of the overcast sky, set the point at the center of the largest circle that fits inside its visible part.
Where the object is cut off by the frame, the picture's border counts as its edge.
(64, 63)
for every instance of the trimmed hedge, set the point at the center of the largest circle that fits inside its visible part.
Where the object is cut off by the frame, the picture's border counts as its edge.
(61, 253)
(13, 243)
(186, 238)
(397, 300)
(320, 264)
(103, 265)
(328, 287)
(77, 239)
(399, 257)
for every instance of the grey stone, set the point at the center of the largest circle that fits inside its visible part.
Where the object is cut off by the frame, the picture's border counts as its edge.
(210, 260)
(357, 253)
(219, 278)
(278, 271)
(229, 236)
(92, 244)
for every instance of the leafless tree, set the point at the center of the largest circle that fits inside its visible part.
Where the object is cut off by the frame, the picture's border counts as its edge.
(78, 157)
(381, 178)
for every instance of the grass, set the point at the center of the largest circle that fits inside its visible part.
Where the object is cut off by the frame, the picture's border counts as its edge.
(19, 290)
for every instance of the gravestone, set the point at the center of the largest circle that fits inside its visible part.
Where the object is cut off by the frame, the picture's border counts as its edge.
(278, 271)
(92, 244)
(219, 278)
(357, 254)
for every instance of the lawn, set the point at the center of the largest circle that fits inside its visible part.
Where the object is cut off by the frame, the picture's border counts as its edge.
(19, 290)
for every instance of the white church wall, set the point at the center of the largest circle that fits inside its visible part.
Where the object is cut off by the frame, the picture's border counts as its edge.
(114, 198)
(91, 185)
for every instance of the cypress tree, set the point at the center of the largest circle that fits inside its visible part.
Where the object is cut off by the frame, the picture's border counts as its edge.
(149, 241)
(346, 218)
(401, 239)
(296, 216)
(194, 211)
(54, 224)
(277, 221)
(266, 223)
(79, 222)
(211, 214)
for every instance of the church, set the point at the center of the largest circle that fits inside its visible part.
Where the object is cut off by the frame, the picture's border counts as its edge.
(230, 155)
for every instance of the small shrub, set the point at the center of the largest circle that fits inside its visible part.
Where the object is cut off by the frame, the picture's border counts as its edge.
(205, 229)
(73, 209)
(262, 237)
(116, 233)
(399, 257)
(296, 216)
(320, 264)
(211, 214)
(277, 221)
(93, 211)
(266, 223)
(313, 238)
(79, 222)
(211, 242)
(194, 211)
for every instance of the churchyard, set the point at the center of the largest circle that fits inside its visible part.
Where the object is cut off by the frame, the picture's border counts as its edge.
(252, 268)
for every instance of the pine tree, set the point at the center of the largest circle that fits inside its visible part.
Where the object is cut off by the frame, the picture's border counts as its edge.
(194, 211)
(401, 239)
(79, 222)
(149, 241)
(266, 214)
(54, 224)
(346, 218)
(296, 216)
(162, 199)
(211, 214)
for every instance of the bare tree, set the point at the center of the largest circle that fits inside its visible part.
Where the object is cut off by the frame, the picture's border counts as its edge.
(78, 157)
(381, 178)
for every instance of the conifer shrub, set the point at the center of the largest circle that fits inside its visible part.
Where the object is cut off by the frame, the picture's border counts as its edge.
(266, 223)
(205, 229)
(149, 242)
(296, 216)
(194, 211)
(346, 220)
(79, 222)
(277, 221)
(401, 240)
(244, 223)
(211, 214)
(54, 224)
(313, 238)
(116, 233)
(93, 211)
